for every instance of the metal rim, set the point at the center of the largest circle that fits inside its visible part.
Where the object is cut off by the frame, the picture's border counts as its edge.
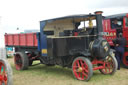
(125, 60)
(3, 74)
(18, 61)
(80, 69)
(109, 65)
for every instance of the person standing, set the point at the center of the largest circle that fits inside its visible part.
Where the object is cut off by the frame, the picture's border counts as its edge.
(115, 24)
(120, 48)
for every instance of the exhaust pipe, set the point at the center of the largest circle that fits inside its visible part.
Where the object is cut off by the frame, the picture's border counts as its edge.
(99, 22)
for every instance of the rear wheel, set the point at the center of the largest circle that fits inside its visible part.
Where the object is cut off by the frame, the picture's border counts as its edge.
(5, 73)
(30, 62)
(110, 65)
(125, 60)
(82, 68)
(21, 61)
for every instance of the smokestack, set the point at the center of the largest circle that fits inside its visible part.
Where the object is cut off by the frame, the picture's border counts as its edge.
(99, 22)
(98, 12)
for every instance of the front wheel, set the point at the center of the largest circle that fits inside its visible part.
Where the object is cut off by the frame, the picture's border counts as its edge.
(82, 68)
(110, 64)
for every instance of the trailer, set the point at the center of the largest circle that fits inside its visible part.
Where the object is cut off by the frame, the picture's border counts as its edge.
(73, 41)
(112, 33)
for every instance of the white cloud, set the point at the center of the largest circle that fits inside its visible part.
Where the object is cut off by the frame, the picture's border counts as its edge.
(26, 14)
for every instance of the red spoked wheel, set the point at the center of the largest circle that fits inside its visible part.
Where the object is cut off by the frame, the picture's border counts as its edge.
(21, 61)
(5, 73)
(110, 65)
(125, 60)
(82, 68)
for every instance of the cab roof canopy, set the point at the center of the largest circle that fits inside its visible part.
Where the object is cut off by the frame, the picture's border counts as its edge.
(70, 16)
(65, 23)
(116, 16)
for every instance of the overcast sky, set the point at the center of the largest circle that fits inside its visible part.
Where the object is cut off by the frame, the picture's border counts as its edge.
(26, 14)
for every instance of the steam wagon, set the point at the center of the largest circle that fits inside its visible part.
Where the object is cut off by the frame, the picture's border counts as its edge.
(112, 32)
(72, 41)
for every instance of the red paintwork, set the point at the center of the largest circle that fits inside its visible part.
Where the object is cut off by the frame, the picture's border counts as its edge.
(79, 63)
(125, 61)
(27, 39)
(105, 66)
(3, 74)
(125, 31)
(95, 62)
(107, 28)
(75, 33)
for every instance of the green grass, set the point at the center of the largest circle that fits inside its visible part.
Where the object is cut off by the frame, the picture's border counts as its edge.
(56, 75)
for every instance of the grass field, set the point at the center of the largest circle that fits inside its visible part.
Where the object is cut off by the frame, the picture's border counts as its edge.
(44, 75)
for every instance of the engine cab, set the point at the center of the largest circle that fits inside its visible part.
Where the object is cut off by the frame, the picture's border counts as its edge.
(70, 35)
(112, 30)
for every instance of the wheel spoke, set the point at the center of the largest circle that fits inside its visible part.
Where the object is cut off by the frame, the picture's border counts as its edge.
(85, 70)
(75, 66)
(85, 65)
(78, 63)
(75, 73)
(82, 63)
(82, 76)
(86, 75)
(105, 69)
(108, 66)
(79, 74)
(75, 70)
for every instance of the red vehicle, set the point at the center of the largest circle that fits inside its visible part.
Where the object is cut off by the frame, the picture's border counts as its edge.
(112, 33)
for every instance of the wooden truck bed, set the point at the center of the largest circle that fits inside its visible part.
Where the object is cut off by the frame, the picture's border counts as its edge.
(24, 39)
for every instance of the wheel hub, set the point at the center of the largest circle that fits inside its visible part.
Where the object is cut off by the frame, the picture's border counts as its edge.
(106, 48)
(80, 69)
